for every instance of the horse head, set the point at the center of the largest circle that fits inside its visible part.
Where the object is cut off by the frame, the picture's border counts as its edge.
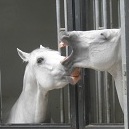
(96, 49)
(45, 66)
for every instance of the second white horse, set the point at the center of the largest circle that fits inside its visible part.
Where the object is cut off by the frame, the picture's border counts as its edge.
(43, 73)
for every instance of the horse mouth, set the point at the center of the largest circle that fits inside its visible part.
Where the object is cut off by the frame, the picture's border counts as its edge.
(75, 75)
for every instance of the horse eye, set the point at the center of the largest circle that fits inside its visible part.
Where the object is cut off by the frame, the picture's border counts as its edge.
(40, 60)
(104, 36)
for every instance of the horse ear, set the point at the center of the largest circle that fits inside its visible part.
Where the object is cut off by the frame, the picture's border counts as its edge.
(24, 56)
(41, 46)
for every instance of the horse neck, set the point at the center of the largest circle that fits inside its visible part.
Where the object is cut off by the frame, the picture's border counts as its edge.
(116, 72)
(30, 83)
(35, 94)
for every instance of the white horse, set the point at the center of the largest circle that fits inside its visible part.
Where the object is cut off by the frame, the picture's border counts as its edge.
(96, 49)
(43, 73)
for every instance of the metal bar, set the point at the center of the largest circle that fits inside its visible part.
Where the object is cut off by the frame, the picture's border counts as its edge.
(94, 21)
(96, 13)
(65, 15)
(103, 126)
(77, 15)
(98, 74)
(111, 20)
(86, 79)
(62, 119)
(96, 26)
(73, 107)
(119, 21)
(69, 113)
(70, 17)
(78, 26)
(35, 126)
(113, 84)
(105, 13)
(58, 20)
(66, 23)
(67, 53)
(96, 81)
(62, 29)
(106, 85)
(113, 101)
(124, 4)
(73, 90)
(58, 31)
(0, 99)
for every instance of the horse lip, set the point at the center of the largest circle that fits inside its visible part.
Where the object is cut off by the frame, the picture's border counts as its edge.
(73, 80)
(76, 73)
